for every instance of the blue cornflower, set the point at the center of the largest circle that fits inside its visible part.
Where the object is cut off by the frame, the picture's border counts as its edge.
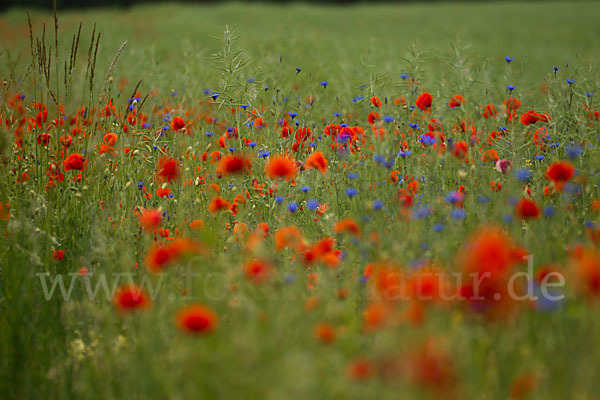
(312, 204)
(483, 199)
(279, 199)
(422, 212)
(337, 114)
(298, 69)
(454, 198)
(413, 125)
(351, 192)
(140, 185)
(264, 153)
(458, 213)
(589, 94)
(244, 106)
(324, 84)
(251, 80)
(352, 175)
(388, 118)
(215, 95)
(404, 154)
(292, 114)
(305, 189)
(377, 205)
(357, 99)
(573, 151)
(555, 69)
(539, 157)
(523, 174)
(232, 149)
(549, 211)
(511, 87)
(404, 76)
(438, 227)
(427, 140)
(571, 81)
(378, 159)
(508, 59)
(507, 218)
(252, 144)
(292, 207)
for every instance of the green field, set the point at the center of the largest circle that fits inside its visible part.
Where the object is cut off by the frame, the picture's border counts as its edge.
(314, 279)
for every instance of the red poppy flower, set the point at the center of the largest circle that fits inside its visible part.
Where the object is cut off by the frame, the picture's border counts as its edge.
(456, 101)
(375, 101)
(75, 161)
(460, 149)
(196, 319)
(234, 164)
(218, 204)
(110, 138)
(424, 101)
(531, 117)
(373, 116)
(347, 225)
(560, 173)
(527, 209)
(58, 255)
(325, 332)
(257, 271)
(281, 167)
(177, 123)
(490, 111)
(316, 160)
(150, 220)
(130, 298)
(168, 169)
(163, 192)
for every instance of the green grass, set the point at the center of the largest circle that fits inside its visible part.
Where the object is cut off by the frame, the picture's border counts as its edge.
(264, 345)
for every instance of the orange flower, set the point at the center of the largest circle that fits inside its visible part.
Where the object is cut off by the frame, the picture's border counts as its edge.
(586, 269)
(347, 225)
(234, 164)
(168, 169)
(325, 332)
(110, 139)
(218, 204)
(316, 160)
(560, 173)
(150, 220)
(289, 236)
(130, 298)
(196, 224)
(75, 161)
(527, 209)
(196, 319)
(281, 167)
